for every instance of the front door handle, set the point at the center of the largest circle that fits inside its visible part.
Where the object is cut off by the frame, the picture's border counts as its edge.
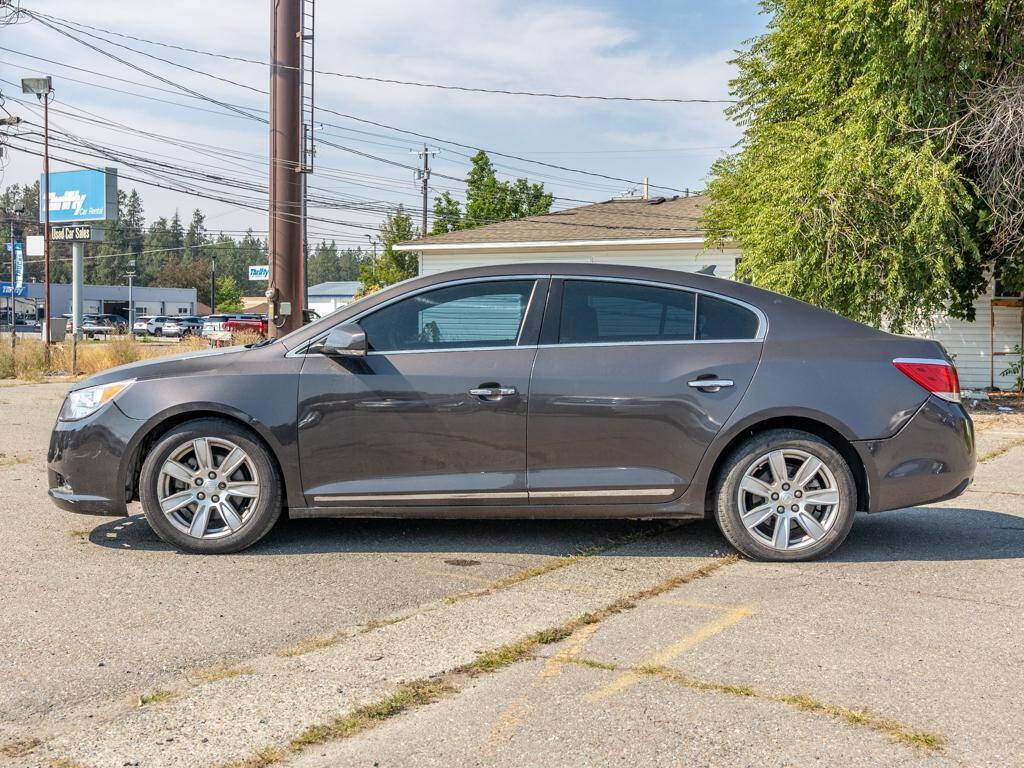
(492, 392)
(709, 385)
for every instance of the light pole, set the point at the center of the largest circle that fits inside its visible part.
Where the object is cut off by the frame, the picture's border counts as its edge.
(130, 274)
(42, 87)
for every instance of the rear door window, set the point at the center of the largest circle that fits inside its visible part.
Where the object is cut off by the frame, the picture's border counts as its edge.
(596, 312)
(721, 320)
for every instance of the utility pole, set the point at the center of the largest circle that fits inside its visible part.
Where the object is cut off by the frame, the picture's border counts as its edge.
(284, 294)
(213, 284)
(424, 176)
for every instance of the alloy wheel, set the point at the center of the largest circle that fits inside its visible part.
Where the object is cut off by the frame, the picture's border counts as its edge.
(788, 499)
(208, 488)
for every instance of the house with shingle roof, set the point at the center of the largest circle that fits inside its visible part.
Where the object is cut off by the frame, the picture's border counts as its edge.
(657, 232)
(667, 233)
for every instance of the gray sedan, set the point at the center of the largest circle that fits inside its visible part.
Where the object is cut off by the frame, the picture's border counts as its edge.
(543, 390)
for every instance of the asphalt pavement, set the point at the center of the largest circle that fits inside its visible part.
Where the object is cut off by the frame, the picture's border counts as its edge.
(373, 642)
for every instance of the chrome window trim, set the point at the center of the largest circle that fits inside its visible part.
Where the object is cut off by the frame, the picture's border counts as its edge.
(762, 318)
(300, 351)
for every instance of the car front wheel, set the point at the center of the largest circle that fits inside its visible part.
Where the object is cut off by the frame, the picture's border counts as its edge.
(210, 486)
(785, 495)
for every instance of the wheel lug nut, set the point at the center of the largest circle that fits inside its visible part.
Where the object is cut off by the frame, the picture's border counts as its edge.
(795, 507)
(222, 486)
(775, 496)
(212, 475)
(200, 496)
(780, 509)
(199, 481)
(798, 494)
(785, 486)
(217, 498)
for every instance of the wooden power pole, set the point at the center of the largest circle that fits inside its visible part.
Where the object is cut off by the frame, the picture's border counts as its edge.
(285, 241)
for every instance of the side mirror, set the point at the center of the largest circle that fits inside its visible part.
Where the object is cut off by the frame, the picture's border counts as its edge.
(345, 340)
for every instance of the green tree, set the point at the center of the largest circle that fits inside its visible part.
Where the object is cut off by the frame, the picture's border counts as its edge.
(391, 266)
(848, 189)
(489, 200)
(323, 264)
(229, 298)
(195, 238)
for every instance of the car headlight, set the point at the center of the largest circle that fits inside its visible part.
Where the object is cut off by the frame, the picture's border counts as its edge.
(83, 402)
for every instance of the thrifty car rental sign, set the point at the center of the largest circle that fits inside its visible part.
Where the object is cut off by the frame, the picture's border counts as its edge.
(81, 196)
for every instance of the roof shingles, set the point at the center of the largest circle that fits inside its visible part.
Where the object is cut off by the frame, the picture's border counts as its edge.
(625, 219)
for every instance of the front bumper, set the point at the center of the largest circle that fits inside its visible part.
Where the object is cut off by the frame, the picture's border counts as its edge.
(931, 459)
(87, 463)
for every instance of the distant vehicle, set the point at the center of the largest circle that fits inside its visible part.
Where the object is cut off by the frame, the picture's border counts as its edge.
(258, 323)
(183, 326)
(155, 326)
(141, 324)
(251, 324)
(103, 325)
(533, 390)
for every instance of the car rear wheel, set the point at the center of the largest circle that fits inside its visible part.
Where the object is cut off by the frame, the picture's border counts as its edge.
(785, 495)
(210, 486)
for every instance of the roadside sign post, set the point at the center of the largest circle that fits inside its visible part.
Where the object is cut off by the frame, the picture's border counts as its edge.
(130, 274)
(72, 197)
(77, 275)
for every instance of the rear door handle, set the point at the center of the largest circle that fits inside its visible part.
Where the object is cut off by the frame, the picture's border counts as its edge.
(492, 391)
(712, 385)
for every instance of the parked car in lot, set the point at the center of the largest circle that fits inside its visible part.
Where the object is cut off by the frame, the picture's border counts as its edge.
(155, 326)
(99, 325)
(538, 390)
(139, 328)
(256, 324)
(179, 327)
(216, 323)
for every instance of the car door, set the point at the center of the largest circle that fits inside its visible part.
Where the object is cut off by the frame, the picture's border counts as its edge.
(617, 410)
(435, 413)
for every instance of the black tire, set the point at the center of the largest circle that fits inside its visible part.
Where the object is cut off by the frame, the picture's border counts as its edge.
(261, 518)
(727, 492)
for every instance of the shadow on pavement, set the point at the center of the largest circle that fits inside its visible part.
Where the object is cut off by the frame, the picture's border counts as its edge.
(925, 533)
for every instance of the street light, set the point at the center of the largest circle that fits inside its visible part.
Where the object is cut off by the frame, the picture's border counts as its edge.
(42, 87)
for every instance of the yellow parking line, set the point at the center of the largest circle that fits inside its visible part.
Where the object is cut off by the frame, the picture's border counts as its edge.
(671, 652)
(514, 714)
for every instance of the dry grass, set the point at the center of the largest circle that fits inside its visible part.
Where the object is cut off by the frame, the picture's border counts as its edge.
(156, 697)
(28, 361)
(19, 747)
(217, 672)
(861, 718)
(1000, 450)
(316, 642)
(261, 759)
(7, 460)
(63, 762)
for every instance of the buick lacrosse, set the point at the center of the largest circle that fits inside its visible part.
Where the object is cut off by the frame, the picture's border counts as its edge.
(529, 390)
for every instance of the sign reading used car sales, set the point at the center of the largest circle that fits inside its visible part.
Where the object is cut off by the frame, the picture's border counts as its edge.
(259, 272)
(79, 233)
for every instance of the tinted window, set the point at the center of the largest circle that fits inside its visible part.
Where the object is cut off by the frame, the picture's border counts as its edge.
(608, 312)
(487, 314)
(719, 319)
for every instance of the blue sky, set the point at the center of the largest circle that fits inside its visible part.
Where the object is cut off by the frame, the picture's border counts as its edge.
(655, 48)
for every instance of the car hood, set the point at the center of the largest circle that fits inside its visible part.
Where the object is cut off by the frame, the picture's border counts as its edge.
(187, 363)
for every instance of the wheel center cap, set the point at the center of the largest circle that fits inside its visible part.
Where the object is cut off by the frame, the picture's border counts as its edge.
(786, 496)
(210, 483)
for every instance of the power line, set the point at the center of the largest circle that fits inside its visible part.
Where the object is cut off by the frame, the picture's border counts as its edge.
(321, 108)
(376, 79)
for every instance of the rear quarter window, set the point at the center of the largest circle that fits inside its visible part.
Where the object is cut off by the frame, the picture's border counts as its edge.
(721, 320)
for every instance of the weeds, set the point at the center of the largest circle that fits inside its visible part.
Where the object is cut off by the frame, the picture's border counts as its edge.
(27, 361)
(156, 697)
(19, 747)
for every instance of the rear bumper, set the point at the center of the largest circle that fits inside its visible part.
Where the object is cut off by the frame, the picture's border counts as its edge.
(931, 459)
(87, 460)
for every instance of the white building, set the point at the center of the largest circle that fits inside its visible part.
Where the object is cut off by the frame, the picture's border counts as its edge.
(666, 233)
(327, 297)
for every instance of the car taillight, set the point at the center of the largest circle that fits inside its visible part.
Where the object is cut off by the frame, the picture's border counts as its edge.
(937, 376)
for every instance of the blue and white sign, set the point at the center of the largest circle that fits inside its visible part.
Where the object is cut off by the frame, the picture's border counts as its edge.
(19, 265)
(261, 272)
(5, 290)
(89, 195)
